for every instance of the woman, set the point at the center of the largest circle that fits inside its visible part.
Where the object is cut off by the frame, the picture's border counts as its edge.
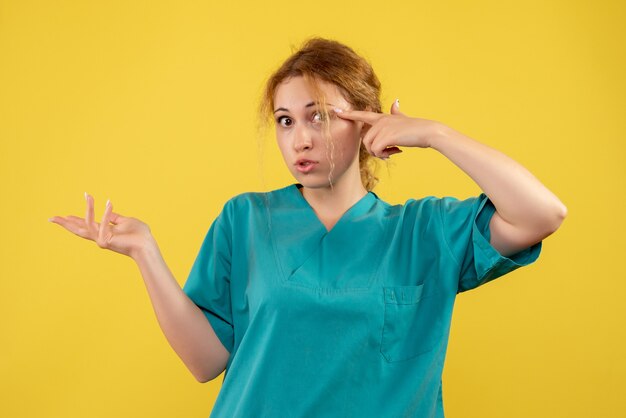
(319, 299)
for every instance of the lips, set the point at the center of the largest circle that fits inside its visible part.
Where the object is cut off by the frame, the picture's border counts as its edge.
(305, 162)
(304, 165)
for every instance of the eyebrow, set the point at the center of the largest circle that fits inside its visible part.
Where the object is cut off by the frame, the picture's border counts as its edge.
(307, 105)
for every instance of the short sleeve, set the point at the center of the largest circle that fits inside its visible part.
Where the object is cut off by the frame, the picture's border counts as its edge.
(208, 283)
(465, 225)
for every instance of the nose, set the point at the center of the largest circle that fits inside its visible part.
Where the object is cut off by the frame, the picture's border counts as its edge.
(302, 140)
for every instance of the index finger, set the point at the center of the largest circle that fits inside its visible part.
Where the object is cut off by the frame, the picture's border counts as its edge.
(89, 216)
(104, 225)
(361, 115)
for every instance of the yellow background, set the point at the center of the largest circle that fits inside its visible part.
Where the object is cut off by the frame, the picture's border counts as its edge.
(152, 104)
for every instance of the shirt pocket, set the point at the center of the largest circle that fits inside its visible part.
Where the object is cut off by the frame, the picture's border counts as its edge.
(408, 329)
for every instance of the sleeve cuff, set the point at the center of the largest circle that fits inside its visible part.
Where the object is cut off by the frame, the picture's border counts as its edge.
(223, 330)
(489, 263)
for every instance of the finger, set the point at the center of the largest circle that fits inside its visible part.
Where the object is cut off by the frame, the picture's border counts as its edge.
(115, 218)
(59, 220)
(395, 108)
(89, 215)
(388, 152)
(73, 224)
(75, 219)
(81, 223)
(103, 233)
(379, 142)
(369, 137)
(362, 115)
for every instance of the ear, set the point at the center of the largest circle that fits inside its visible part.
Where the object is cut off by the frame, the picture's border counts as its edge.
(364, 126)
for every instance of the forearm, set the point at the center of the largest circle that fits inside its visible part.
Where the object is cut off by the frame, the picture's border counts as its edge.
(184, 325)
(519, 197)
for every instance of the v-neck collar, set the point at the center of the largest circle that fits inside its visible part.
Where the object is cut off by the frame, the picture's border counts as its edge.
(359, 208)
(344, 259)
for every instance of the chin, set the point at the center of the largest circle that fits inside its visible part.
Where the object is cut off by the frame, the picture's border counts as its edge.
(310, 184)
(314, 183)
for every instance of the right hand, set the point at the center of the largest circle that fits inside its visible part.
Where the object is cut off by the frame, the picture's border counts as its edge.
(126, 235)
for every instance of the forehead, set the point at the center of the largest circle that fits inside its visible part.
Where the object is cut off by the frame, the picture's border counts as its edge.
(296, 92)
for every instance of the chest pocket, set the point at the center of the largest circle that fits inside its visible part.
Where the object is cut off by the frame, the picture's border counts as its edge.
(411, 325)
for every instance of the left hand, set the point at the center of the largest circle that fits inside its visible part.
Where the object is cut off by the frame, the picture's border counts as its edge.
(386, 131)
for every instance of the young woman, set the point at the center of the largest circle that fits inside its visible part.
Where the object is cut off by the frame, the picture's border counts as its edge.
(319, 299)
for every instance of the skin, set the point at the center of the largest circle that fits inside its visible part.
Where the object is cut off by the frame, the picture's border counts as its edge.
(183, 323)
(299, 135)
(526, 211)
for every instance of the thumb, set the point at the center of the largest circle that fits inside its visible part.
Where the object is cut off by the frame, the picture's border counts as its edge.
(395, 108)
(116, 218)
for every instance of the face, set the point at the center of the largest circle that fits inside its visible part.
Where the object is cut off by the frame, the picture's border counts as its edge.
(299, 134)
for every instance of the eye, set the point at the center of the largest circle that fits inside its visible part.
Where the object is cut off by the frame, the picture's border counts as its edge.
(280, 119)
(319, 115)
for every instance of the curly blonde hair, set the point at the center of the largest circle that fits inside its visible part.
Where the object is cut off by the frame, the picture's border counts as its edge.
(333, 62)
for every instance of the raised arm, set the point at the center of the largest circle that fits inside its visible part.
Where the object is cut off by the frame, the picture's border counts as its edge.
(526, 211)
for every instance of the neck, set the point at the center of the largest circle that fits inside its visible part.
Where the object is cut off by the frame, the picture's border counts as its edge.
(342, 196)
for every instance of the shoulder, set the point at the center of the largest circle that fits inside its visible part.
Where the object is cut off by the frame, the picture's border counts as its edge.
(446, 205)
(421, 207)
(437, 212)
(254, 200)
(414, 215)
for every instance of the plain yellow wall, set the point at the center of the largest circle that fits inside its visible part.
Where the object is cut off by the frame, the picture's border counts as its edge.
(152, 104)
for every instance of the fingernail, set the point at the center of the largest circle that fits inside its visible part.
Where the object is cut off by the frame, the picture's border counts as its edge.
(50, 219)
(85, 195)
(337, 110)
(108, 202)
(398, 102)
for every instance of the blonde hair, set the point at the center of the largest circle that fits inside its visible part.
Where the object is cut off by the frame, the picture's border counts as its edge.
(333, 62)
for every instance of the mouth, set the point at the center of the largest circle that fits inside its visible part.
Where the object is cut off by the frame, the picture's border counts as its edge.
(304, 166)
